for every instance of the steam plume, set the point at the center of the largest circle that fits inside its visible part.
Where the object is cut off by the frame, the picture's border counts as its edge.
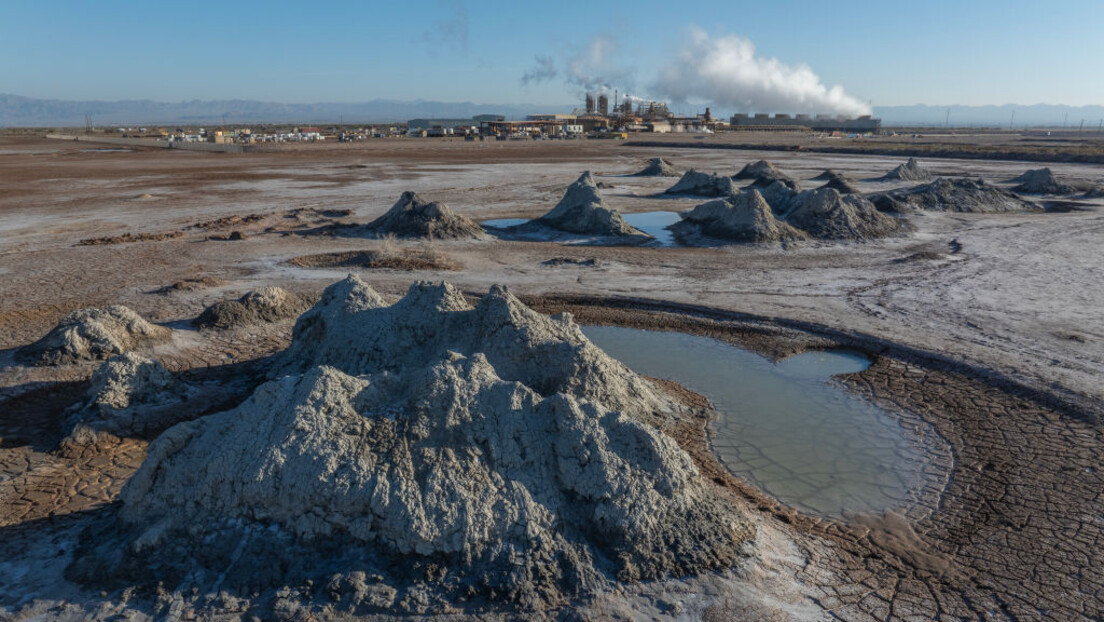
(726, 72)
(592, 68)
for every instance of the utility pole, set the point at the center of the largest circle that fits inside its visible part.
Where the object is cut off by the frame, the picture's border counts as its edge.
(947, 123)
(1082, 127)
(1012, 123)
(1064, 120)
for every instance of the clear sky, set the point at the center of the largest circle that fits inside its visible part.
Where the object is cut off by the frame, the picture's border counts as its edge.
(889, 53)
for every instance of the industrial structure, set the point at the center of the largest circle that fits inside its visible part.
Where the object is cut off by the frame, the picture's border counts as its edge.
(597, 118)
(454, 124)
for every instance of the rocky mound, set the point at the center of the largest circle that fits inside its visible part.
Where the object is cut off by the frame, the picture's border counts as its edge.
(411, 217)
(93, 335)
(909, 171)
(657, 167)
(582, 210)
(761, 170)
(826, 214)
(704, 185)
(126, 394)
(429, 455)
(264, 305)
(1041, 181)
(953, 195)
(1094, 193)
(744, 217)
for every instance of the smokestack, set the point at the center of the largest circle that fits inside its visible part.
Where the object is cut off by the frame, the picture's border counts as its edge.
(589, 103)
(603, 105)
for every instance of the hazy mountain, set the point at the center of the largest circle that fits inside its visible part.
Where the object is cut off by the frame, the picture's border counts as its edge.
(18, 111)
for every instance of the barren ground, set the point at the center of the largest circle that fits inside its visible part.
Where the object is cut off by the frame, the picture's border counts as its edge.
(998, 346)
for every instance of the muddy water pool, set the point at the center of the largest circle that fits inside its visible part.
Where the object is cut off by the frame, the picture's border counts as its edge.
(787, 427)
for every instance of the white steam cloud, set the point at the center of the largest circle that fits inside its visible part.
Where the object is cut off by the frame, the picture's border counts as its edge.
(726, 72)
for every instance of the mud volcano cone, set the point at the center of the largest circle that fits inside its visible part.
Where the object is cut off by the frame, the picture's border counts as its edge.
(778, 195)
(826, 214)
(909, 171)
(954, 195)
(762, 170)
(93, 335)
(745, 217)
(703, 185)
(842, 184)
(828, 174)
(657, 167)
(493, 442)
(1041, 181)
(127, 396)
(411, 217)
(264, 305)
(582, 210)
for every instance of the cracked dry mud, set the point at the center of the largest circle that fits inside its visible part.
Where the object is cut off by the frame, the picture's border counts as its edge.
(987, 340)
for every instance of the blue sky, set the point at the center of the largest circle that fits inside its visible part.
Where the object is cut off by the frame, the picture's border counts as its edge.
(888, 53)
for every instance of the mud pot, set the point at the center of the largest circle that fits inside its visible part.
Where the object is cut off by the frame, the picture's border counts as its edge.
(785, 427)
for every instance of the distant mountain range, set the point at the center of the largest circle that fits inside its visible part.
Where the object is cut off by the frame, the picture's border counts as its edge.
(18, 111)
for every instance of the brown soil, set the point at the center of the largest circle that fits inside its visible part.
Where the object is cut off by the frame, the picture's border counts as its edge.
(131, 237)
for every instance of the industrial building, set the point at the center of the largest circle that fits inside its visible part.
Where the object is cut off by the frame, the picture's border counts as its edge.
(427, 124)
(805, 123)
(535, 125)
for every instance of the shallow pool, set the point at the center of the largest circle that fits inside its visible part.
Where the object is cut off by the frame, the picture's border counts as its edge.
(653, 223)
(503, 223)
(788, 427)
